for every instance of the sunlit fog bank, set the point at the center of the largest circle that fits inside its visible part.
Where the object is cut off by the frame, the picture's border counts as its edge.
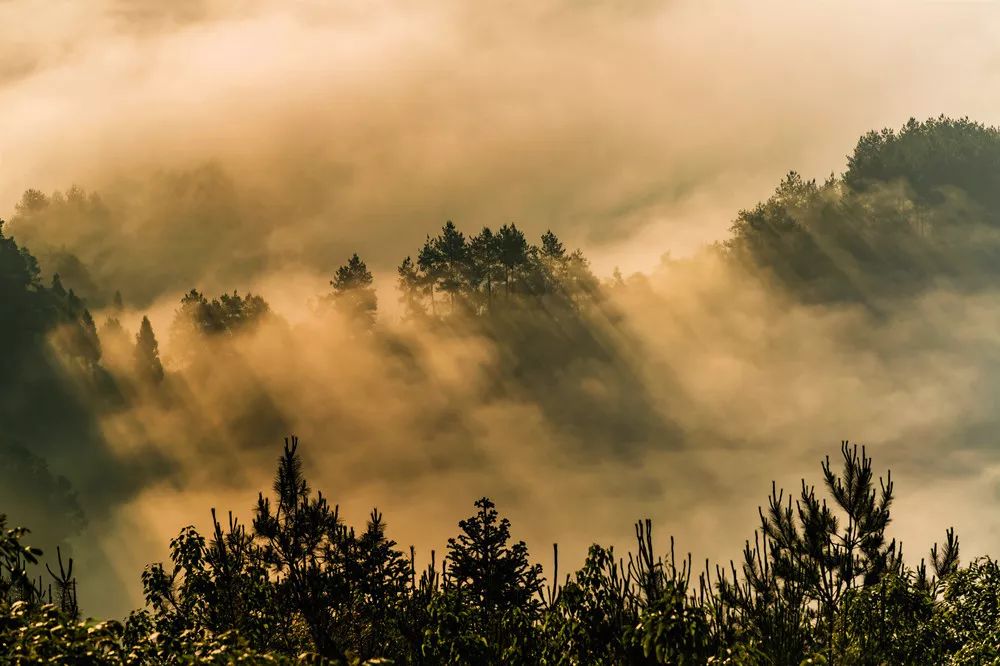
(633, 336)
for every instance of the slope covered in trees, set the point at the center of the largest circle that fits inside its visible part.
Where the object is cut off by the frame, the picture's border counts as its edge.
(105, 405)
(49, 349)
(915, 209)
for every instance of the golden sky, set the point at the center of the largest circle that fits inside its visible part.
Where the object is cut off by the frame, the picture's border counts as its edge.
(631, 128)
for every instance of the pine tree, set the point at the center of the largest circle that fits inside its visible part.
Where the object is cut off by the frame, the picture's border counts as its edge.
(554, 265)
(411, 289)
(484, 252)
(429, 265)
(496, 576)
(452, 253)
(112, 328)
(147, 354)
(57, 287)
(90, 347)
(552, 247)
(115, 343)
(353, 293)
(513, 254)
(380, 575)
(304, 545)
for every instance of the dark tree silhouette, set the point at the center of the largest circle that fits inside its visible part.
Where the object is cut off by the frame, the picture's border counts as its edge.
(514, 251)
(485, 270)
(198, 318)
(147, 354)
(495, 575)
(304, 545)
(354, 293)
(477, 274)
(412, 288)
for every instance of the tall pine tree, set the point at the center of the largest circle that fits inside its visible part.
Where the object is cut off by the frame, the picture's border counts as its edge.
(147, 354)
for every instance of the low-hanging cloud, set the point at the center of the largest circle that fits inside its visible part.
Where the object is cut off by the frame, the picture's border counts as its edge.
(626, 126)
(710, 382)
(256, 144)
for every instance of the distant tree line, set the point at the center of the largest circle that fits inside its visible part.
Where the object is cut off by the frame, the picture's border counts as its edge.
(491, 270)
(915, 209)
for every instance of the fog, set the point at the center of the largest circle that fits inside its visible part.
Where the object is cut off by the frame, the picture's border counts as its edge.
(633, 128)
(256, 145)
(712, 383)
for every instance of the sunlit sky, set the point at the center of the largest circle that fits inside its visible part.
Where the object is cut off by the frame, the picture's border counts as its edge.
(632, 128)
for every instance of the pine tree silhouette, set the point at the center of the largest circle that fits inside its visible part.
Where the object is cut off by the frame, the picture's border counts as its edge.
(353, 293)
(147, 354)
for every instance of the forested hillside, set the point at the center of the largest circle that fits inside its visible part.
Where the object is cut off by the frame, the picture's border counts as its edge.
(915, 209)
(495, 332)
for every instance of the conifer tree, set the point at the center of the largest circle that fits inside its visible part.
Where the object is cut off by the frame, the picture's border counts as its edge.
(305, 545)
(57, 287)
(197, 315)
(116, 345)
(452, 254)
(90, 348)
(495, 575)
(112, 328)
(552, 247)
(147, 354)
(429, 265)
(513, 254)
(353, 293)
(484, 251)
(411, 289)
(380, 576)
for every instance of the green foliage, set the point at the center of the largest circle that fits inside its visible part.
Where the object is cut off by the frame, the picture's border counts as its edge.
(47, 635)
(672, 631)
(303, 586)
(930, 157)
(15, 582)
(50, 357)
(494, 582)
(305, 548)
(886, 623)
(450, 636)
(806, 558)
(588, 622)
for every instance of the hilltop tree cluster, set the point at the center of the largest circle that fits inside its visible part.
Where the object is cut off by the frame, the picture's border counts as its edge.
(224, 315)
(491, 270)
(916, 209)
